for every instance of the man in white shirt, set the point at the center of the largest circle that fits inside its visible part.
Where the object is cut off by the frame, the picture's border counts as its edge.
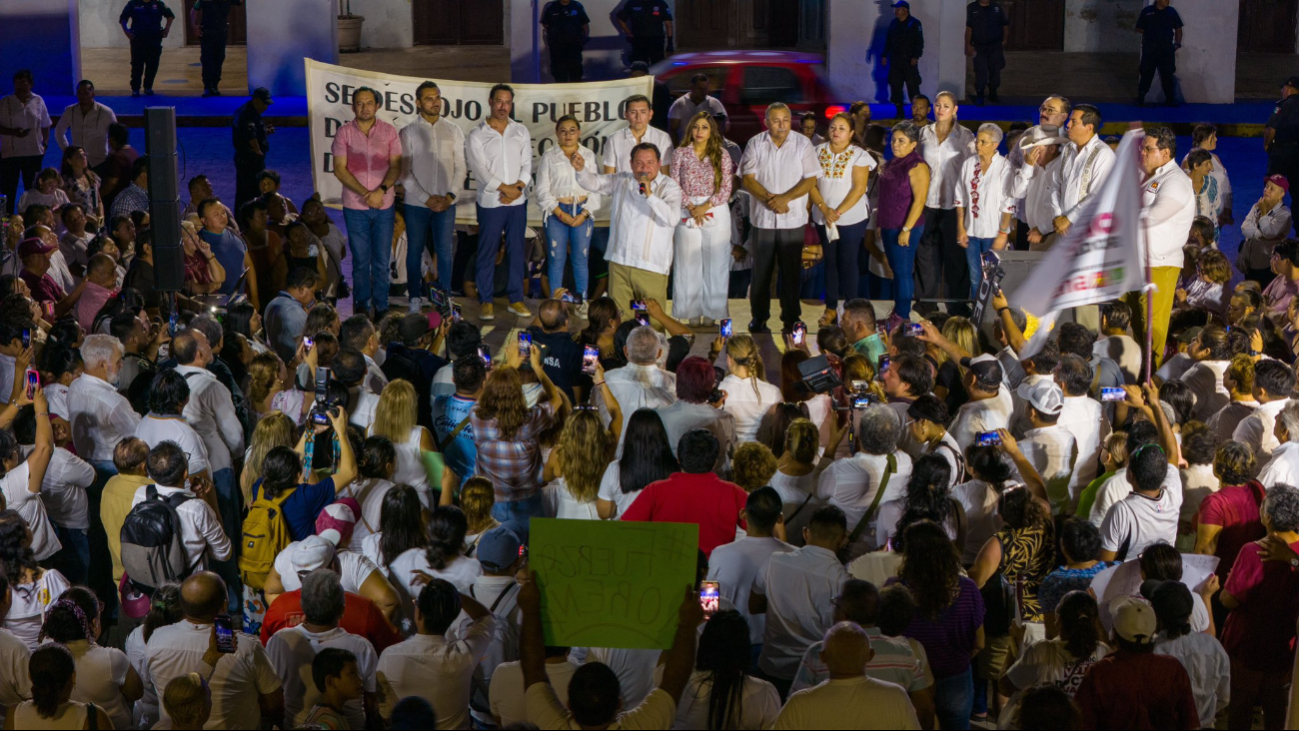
(854, 485)
(735, 565)
(850, 697)
(24, 133)
(292, 649)
(1086, 163)
(499, 154)
(1083, 418)
(1116, 344)
(989, 407)
(1040, 368)
(1168, 201)
(691, 103)
(100, 416)
(1238, 379)
(1035, 183)
(245, 689)
(506, 694)
(645, 210)
(1146, 516)
(432, 174)
(796, 591)
(1212, 357)
(1283, 467)
(87, 121)
(211, 411)
(1049, 447)
(359, 333)
(63, 491)
(430, 666)
(778, 170)
(617, 149)
(1273, 382)
(200, 528)
(641, 384)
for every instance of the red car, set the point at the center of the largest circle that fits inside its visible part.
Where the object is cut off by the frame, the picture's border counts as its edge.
(747, 81)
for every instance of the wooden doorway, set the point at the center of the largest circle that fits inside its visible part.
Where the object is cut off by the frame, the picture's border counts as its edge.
(238, 25)
(1035, 25)
(458, 22)
(1267, 26)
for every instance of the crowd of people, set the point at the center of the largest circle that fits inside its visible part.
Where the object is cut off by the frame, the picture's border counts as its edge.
(240, 506)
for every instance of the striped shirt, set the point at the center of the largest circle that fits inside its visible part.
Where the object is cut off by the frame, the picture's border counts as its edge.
(949, 640)
(893, 662)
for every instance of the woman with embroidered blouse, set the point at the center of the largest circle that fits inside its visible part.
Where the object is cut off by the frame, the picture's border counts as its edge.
(841, 212)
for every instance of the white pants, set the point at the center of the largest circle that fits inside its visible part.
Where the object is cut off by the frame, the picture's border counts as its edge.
(701, 266)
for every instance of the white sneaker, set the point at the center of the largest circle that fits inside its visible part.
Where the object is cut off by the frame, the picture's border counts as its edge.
(416, 304)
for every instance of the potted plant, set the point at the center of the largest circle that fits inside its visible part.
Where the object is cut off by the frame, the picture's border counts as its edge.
(349, 28)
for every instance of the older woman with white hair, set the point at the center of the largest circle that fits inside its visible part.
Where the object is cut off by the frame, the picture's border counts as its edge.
(100, 416)
(984, 213)
(876, 474)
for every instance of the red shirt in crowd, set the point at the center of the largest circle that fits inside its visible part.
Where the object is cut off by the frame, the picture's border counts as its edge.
(706, 500)
(1235, 508)
(360, 617)
(1131, 690)
(1260, 633)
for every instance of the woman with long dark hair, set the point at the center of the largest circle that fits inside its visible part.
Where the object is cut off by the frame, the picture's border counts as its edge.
(53, 674)
(1062, 661)
(442, 557)
(702, 239)
(400, 529)
(927, 498)
(602, 321)
(164, 609)
(646, 457)
(721, 693)
(73, 621)
(949, 618)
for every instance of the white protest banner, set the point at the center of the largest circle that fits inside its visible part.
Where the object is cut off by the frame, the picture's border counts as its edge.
(1101, 258)
(597, 106)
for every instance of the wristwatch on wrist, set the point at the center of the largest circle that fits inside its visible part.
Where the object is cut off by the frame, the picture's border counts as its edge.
(906, 228)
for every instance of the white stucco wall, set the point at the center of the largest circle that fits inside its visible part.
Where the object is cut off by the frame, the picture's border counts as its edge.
(604, 56)
(387, 23)
(281, 34)
(856, 32)
(1206, 66)
(1107, 26)
(99, 28)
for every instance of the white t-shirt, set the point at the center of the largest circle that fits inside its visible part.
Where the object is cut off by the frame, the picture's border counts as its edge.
(27, 613)
(849, 703)
(32, 510)
(438, 670)
(982, 518)
(759, 702)
(460, 571)
(746, 406)
(684, 109)
(154, 430)
(64, 488)
(611, 489)
(634, 668)
(979, 416)
(1141, 521)
(101, 673)
(292, 650)
(15, 685)
(506, 691)
(236, 682)
(734, 566)
(410, 464)
(369, 493)
(146, 709)
(563, 505)
(353, 569)
(799, 587)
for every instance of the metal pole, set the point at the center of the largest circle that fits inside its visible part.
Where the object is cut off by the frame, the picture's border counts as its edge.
(536, 45)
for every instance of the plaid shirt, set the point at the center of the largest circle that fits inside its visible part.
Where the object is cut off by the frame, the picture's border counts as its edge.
(134, 198)
(513, 465)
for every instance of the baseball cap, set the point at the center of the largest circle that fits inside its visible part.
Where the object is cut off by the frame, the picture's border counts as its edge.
(1279, 181)
(415, 326)
(930, 408)
(986, 368)
(498, 548)
(263, 94)
(1189, 335)
(336, 521)
(1043, 394)
(34, 245)
(1134, 619)
(311, 553)
(902, 4)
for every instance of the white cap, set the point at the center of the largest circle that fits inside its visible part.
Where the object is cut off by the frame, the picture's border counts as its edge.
(311, 553)
(1041, 135)
(1134, 619)
(1044, 395)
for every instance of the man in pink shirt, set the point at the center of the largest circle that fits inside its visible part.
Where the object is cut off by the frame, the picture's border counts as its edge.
(101, 286)
(367, 161)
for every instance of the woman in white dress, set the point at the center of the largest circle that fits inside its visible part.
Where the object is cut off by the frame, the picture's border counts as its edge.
(394, 418)
(841, 212)
(702, 239)
(748, 396)
(576, 466)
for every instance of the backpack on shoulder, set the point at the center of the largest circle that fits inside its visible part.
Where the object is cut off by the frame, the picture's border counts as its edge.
(265, 535)
(153, 550)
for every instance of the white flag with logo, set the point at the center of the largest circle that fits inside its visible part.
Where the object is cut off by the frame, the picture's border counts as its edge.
(1102, 256)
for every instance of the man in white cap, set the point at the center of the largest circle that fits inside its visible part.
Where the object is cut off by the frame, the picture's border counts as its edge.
(1036, 183)
(989, 406)
(1050, 447)
(1134, 687)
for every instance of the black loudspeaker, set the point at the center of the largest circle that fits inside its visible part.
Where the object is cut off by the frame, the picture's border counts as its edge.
(164, 198)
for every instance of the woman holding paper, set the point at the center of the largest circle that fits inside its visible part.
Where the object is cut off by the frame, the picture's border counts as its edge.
(702, 239)
(840, 211)
(567, 208)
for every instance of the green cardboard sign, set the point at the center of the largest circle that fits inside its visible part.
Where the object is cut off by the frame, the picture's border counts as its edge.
(612, 583)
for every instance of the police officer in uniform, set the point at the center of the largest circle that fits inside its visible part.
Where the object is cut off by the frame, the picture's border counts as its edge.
(1161, 35)
(1281, 136)
(648, 23)
(987, 28)
(903, 47)
(567, 29)
(210, 20)
(142, 22)
(251, 145)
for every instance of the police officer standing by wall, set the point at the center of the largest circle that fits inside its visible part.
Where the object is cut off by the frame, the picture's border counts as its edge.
(142, 22)
(648, 23)
(1281, 136)
(251, 145)
(903, 48)
(987, 28)
(567, 29)
(1161, 35)
(210, 20)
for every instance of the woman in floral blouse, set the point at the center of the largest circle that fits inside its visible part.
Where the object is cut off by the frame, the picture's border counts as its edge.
(840, 211)
(82, 185)
(706, 175)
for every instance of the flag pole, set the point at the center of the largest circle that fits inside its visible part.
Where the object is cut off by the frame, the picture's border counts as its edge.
(1150, 301)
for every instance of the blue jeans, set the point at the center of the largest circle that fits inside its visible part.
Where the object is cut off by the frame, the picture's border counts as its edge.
(520, 513)
(559, 239)
(902, 260)
(436, 232)
(73, 560)
(954, 699)
(974, 258)
(369, 235)
(492, 223)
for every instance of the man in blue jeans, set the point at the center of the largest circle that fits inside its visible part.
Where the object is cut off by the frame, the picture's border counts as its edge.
(499, 153)
(433, 174)
(367, 161)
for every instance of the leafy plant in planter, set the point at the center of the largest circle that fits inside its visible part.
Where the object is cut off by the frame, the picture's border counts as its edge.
(349, 27)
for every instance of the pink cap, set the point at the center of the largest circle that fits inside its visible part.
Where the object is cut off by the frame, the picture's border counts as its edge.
(1279, 181)
(336, 521)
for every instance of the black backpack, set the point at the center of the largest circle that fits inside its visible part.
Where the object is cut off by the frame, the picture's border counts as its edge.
(153, 550)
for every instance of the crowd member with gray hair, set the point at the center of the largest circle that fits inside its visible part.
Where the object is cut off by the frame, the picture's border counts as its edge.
(292, 649)
(778, 169)
(984, 211)
(1283, 467)
(876, 474)
(100, 417)
(642, 383)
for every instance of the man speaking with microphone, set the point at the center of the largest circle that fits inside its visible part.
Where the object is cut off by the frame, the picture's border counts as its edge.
(646, 210)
